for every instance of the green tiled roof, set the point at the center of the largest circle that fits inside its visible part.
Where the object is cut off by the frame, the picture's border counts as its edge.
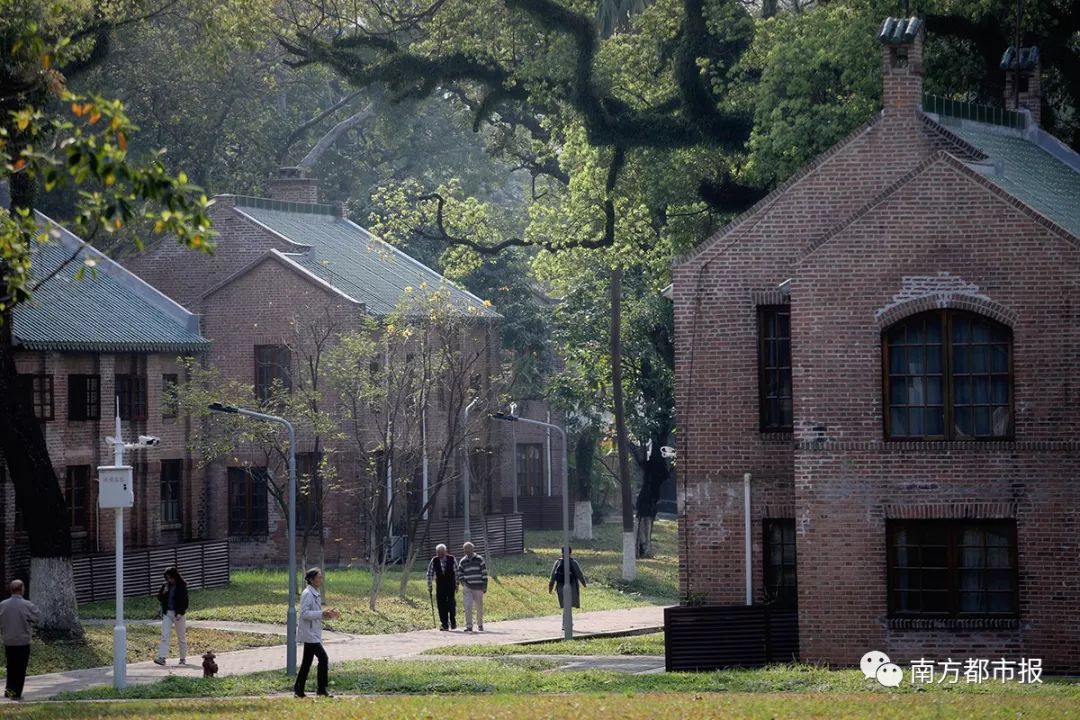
(351, 259)
(107, 310)
(1047, 179)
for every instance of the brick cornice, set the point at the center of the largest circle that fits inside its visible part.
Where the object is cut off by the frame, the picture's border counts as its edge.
(982, 447)
(965, 510)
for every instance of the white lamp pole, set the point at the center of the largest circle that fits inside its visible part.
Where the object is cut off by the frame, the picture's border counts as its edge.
(119, 629)
(290, 617)
(568, 593)
(466, 474)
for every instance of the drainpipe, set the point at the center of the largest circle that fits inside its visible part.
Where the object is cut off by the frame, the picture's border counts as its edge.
(746, 534)
(547, 441)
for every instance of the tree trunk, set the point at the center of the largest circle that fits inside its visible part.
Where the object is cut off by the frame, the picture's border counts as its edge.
(629, 570)
(655, 473)
(37, 490)
(584, 452)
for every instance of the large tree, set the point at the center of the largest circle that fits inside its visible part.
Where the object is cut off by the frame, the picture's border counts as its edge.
(52, 137)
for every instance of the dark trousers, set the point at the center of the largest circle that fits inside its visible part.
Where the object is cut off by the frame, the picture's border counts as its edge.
(446, 598)
(313, 650)
(18, 657)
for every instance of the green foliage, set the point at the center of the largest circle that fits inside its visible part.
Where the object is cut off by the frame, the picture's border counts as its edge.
(79, 142)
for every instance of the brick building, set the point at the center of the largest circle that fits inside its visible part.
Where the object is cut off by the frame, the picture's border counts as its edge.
(83, 344)
(886, 345)
(285, 264)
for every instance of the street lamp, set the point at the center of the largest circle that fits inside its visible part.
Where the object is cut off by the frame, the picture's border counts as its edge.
(290, 629)
(568, 595)
(467, 535)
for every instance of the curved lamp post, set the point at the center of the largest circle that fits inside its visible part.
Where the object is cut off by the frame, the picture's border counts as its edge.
(568, 594)
(290, 618)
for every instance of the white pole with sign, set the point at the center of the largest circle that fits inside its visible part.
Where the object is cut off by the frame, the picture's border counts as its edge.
(116, 491)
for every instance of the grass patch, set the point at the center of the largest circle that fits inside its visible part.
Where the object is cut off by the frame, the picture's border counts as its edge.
(737, 706)
(518, 590)
(95, 649)
(517, 676)
(652, 644)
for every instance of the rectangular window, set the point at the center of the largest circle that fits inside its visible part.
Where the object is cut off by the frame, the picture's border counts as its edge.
(774, 368)
(309, 493)
(38, 391)
(247, 501)
(76, 491)
(272, 363)
(530, 469)
(171, 472)
(84, 397)
(131, 393)
(169, 402)
(780, 569)
(952, 568)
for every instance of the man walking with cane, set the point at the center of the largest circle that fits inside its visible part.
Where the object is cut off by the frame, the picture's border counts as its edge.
(442, 572)
(16, 616)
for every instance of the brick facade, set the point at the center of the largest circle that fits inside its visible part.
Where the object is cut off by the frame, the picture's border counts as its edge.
(74, 443)
(888, 223)
(246, 297)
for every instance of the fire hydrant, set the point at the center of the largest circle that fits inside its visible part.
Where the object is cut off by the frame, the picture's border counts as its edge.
(209, 667)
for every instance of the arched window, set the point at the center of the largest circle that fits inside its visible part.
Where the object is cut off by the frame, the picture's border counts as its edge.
(948, 376)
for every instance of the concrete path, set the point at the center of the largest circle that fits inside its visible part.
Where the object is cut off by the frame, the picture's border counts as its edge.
(343, 647)
(227, 626)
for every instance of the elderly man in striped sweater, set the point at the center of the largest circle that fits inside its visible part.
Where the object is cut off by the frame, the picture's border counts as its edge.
(472, 574)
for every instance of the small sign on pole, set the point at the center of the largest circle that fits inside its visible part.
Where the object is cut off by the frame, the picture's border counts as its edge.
(116, 488)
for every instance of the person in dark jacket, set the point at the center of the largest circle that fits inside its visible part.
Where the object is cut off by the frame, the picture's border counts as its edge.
(440, 571)
(173, 596)
(576, 577)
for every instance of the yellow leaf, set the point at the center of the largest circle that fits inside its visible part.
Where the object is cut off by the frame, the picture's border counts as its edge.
(110, 180)
(77, 109)
(22, 121)
(118, 223)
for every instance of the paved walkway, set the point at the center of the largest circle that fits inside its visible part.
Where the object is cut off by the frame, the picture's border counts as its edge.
(343, 647)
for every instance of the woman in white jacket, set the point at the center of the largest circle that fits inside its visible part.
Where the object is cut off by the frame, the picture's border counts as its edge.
(309, 632)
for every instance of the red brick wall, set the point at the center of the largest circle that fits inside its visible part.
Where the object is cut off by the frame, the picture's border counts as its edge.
(913, 216)
(74, 443)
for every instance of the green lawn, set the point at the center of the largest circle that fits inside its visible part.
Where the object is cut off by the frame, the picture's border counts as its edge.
(526, 676)
(736, 706)
(95, 649)
(652, 644)
(518, 590)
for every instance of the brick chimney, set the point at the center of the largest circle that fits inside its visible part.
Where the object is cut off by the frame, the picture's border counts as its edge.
(292, 184)
(1029, 91)
(902, 67)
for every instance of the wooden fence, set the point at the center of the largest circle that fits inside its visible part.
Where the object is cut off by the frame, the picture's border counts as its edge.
(203, 564)
(540, 512)
(504, 534)
(715, 637)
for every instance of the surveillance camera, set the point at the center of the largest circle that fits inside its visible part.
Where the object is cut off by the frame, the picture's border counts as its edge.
(667, 452)
(149, 440)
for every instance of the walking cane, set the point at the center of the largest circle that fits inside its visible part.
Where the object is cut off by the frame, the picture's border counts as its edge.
(431, 597)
